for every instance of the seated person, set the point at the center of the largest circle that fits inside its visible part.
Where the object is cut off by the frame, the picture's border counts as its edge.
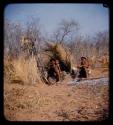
(83, 68)
(54, 70)
(58, 69)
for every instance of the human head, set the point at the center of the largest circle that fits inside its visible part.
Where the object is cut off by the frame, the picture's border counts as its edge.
(83, 58)
(52, 60)
(57, 61)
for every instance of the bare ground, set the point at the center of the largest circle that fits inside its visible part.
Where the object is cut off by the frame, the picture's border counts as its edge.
(62, 102)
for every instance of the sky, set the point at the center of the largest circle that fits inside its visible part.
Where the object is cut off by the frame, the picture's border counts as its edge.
(92, 18)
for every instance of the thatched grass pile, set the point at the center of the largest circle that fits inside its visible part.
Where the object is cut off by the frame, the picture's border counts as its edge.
(60, 52)
(21, 70)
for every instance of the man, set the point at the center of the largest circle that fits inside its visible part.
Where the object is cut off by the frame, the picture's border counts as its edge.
(83, 67)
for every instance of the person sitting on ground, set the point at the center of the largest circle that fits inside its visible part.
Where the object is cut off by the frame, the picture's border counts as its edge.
(83, 68)
(53, 70)
(58, 69)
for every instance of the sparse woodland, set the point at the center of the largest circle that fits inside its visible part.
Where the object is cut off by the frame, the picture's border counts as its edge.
(27, 97)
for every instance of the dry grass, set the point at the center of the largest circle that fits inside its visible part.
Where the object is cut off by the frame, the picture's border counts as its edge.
(22, 70)
(56, 103)
(58, 51)
(80, 102)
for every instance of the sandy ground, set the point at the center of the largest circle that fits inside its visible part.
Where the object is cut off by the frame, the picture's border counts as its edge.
(62, 102)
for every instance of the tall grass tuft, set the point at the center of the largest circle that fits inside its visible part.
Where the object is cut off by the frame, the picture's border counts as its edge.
(24, 70)
(58, 51)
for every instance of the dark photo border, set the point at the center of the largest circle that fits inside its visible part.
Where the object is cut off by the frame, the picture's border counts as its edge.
(2, 7)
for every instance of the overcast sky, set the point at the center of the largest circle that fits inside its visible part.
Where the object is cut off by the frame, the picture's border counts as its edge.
(91, 17)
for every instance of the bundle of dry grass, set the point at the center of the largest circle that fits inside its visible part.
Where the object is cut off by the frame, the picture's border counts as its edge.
(56, 50)
(60, 52)
(22, 70)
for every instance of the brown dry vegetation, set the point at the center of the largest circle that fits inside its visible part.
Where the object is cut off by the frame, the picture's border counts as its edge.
(28, 98)
(40, 102)
(67, 103)
(21, 70)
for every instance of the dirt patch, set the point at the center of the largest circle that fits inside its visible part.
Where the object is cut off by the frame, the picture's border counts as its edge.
(56, 103)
